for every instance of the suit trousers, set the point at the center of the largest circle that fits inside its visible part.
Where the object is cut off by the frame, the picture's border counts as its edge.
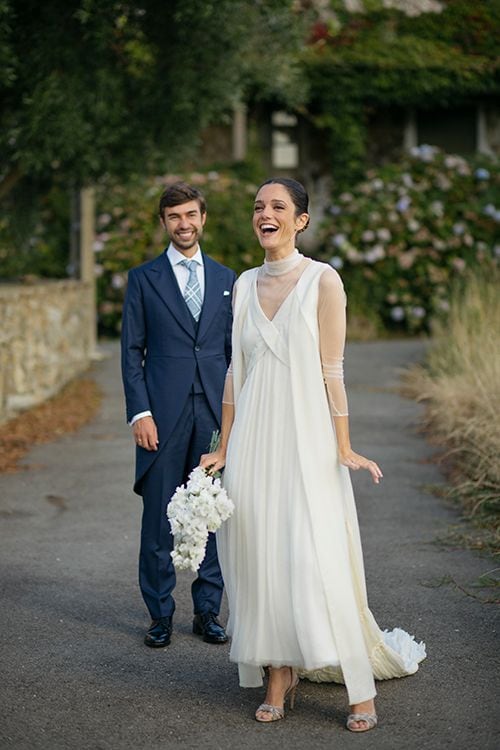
(189, 440)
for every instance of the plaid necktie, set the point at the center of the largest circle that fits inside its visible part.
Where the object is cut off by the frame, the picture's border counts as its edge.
(192, 292)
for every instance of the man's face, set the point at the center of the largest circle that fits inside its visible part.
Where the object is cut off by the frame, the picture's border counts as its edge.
(184, 225)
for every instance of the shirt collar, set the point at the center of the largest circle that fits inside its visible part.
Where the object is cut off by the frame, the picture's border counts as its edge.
(175, 257)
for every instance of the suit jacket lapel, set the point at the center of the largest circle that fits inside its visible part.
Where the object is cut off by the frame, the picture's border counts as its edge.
(214, 290)
(162, 279)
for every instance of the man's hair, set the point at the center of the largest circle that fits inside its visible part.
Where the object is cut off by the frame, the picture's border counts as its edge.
(178, 193)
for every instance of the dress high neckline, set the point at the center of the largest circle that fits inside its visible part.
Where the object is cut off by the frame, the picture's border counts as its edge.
(284, 265)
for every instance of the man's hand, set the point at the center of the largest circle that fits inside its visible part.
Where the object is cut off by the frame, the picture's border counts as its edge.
(146, 434)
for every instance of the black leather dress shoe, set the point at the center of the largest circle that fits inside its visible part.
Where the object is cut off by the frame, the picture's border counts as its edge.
(210, 628)
(159, 633)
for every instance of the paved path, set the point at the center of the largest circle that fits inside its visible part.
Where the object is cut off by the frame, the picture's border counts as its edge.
(74, 673)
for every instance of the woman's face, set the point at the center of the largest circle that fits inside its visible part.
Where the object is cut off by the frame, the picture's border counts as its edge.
(274, 221)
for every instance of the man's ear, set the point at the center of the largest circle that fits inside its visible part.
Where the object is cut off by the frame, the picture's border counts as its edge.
(203, 218)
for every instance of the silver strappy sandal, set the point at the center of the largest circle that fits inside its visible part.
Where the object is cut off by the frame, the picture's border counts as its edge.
(369, 719)
(276, 712)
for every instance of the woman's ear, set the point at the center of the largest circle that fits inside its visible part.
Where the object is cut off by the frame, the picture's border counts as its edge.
(302, 222)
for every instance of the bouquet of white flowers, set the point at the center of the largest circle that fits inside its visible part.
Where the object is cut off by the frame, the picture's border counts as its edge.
(194, 510)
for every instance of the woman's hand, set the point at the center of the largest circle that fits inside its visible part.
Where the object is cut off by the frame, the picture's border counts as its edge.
(354, 461)
(213, 462)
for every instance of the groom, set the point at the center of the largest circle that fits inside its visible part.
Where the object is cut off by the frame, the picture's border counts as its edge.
(176, 347)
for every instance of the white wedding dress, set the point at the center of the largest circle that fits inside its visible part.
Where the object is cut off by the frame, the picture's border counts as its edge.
(291, 555)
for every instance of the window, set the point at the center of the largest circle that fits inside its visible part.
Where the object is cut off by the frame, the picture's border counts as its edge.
(453, 130)
(284, 145)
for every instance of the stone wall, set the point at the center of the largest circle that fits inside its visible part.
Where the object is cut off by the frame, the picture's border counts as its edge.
(45, 340)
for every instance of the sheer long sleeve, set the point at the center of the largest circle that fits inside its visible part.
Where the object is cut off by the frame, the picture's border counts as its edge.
(228, 394)
(332, 329)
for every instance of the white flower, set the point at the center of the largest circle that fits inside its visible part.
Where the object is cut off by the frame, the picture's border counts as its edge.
(437, 208)
(345, 197)
(336, 262)
(353, 255)
(414, 7)
(458, 264)
(384, 234)
(103, 219)
(397, 314)
(453, 161)
(368, 235)
(193, 511)
(403, 204)
(443, 182)
(117, 281)
(339, 240)
(418, 312)
(376, 253)
(424, 152)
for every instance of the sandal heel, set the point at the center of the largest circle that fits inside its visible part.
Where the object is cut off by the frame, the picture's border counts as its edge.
(293, 692)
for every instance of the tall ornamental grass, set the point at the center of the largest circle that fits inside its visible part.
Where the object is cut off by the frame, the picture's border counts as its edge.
(460, 385)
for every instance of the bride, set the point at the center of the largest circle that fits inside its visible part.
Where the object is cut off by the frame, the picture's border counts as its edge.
(291, 554)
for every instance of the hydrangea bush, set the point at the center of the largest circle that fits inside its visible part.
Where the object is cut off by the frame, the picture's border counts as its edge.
(406, 231)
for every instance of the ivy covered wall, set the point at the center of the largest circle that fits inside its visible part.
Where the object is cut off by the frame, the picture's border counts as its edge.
(381, 58)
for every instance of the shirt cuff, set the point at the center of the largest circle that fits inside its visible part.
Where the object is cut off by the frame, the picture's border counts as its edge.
(141, 414)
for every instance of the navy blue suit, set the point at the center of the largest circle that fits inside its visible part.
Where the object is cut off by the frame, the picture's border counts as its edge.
(175, 368)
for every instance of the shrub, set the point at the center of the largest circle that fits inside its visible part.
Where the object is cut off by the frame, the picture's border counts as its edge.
(408, 229)
(34, 232)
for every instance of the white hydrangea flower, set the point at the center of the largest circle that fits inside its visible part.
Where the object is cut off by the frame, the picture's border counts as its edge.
(193, 511)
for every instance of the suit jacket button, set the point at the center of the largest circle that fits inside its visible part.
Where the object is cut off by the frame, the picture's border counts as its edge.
(197, 348)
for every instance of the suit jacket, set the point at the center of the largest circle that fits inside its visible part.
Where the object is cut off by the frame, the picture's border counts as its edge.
(162, 346)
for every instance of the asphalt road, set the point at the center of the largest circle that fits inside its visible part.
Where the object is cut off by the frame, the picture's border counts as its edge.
(75, 673)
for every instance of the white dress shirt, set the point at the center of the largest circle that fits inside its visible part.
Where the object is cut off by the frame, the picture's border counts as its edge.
(181, 272)
(182, 275)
